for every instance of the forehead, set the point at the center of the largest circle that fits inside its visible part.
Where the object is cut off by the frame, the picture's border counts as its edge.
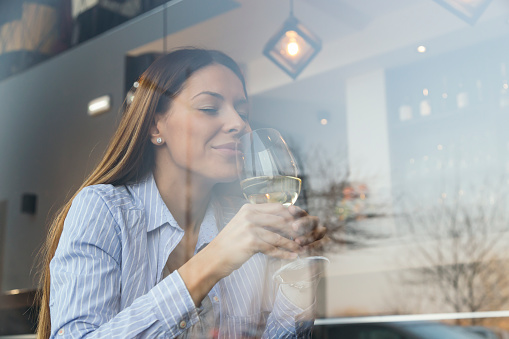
(214, 78)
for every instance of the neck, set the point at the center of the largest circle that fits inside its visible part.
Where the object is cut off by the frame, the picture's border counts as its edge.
(185, 195)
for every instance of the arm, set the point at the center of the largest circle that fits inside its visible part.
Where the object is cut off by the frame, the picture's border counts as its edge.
(85, 298)
(258, 229)
(243, 236)
(288, 320)
(293, 313)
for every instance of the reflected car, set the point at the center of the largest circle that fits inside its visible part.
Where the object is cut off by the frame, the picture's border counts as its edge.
(488, 333)
(395, 330)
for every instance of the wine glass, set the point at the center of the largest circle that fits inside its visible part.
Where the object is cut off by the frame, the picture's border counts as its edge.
(268, 173)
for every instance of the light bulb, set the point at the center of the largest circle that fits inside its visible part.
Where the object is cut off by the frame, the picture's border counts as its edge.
(292, 48)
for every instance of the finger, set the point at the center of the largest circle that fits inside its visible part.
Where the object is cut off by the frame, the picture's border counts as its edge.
(270, 208)
(305, 224)
(277, 252)
(314, 236)
(269, 220)
(274, 223)
(317, 247)
(297, 212)
(284, 230)
(279, 241)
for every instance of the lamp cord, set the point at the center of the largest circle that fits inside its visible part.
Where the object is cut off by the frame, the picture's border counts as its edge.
(291, 7)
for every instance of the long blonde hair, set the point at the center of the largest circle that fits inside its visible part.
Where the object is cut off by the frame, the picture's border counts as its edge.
(129, 155)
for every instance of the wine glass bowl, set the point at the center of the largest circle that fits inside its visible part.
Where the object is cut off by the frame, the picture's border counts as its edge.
(267, 169)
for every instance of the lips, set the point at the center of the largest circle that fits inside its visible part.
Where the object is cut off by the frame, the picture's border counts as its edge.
(227, 149)
(230, 145)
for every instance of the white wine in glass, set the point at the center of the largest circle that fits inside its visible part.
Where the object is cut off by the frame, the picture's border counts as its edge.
(269, 174)
(283, 189)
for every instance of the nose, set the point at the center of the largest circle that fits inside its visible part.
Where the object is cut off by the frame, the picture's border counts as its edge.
(234, 123)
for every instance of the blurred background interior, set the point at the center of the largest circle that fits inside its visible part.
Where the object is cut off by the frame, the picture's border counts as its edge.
(398, 114)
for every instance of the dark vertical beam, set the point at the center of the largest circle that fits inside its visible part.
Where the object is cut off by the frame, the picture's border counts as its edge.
(3, 227)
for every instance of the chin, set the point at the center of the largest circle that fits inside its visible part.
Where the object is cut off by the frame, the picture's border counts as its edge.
(226, 179)
(223, 174)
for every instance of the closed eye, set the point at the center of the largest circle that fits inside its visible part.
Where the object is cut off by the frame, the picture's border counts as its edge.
(244, 116)
(243, 110)
(209, 111)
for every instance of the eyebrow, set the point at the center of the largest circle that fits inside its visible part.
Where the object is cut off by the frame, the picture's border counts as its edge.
(214, 94)
(219, 96)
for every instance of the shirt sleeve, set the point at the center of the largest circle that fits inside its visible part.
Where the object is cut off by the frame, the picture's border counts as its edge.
(287, 320)
(85, 296)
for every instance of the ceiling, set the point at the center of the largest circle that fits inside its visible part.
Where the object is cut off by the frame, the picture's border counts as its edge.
(356, 35)
(251, 24)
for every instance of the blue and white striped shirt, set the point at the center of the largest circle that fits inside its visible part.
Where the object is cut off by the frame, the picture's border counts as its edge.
(106, 275)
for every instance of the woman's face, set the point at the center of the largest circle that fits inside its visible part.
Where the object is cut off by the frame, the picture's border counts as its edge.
(203, 125)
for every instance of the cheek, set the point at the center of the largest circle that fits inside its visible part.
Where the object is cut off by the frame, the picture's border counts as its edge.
(189, 142)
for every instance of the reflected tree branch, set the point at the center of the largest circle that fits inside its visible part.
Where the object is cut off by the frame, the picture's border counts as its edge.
(457, 254)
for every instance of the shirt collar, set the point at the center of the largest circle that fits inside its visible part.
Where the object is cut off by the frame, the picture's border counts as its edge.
(157, 214)
(208, 228)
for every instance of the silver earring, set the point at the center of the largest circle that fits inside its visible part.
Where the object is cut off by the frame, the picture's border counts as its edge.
(159, 140)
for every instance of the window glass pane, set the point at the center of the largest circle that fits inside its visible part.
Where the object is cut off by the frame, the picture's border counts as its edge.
(397, 124)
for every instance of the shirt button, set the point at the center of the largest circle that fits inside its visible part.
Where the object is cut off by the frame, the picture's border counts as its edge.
(61, 331)
(300, 324)
(182, 324)
(216, 299)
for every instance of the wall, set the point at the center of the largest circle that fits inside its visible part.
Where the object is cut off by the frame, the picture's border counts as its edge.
(48, 143)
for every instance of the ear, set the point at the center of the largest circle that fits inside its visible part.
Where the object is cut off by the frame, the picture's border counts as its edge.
(156, 129)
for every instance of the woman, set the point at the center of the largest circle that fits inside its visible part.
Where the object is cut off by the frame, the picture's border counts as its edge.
(146, 248)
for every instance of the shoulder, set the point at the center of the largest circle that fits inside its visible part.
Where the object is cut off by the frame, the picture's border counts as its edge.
(113, 197)
(101, 208)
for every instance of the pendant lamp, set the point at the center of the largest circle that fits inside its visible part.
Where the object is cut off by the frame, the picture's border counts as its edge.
(293, 47)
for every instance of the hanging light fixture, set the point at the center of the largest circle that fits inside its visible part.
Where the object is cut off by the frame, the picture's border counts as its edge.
(293, 46)
(468, 10)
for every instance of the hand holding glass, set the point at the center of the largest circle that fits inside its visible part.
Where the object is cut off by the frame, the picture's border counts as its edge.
(269, 174)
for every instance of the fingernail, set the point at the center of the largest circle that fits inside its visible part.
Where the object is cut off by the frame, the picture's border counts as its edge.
(295, 226)
(298, 241)
(294, 209)
(294, 255)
